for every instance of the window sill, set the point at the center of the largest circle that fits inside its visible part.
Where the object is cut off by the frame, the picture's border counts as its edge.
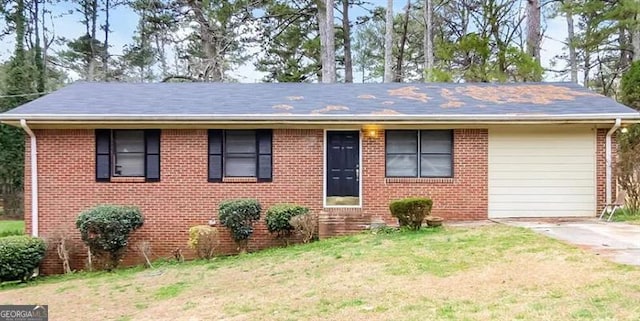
(239, 180)
(128, 180)
(395, 180)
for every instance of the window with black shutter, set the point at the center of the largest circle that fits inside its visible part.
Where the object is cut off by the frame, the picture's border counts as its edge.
(240, 153)
(127, 153)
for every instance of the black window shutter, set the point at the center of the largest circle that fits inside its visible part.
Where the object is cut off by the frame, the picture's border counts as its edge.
(103, 155)
(265, 158)
(215, 155)
(152, 155)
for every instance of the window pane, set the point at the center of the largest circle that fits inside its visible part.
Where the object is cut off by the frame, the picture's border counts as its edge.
(402, 165)
(240, 166)
(402, 141)
(435, 165)
(128, 164)
(435, 141)
(129, 141)
(240, 141)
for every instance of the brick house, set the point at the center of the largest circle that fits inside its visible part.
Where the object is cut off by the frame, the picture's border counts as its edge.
(344, 150)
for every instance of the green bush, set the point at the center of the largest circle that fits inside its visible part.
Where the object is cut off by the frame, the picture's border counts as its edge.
(105, 230)
(19, 256)
(411, 212)
(204, 240)
(279, 216)
(238, 215)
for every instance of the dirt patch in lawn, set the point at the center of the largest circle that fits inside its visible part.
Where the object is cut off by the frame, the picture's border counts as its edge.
(483, 273)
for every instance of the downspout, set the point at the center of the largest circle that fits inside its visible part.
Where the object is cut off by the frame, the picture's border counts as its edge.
(34, 178)
(608, 161)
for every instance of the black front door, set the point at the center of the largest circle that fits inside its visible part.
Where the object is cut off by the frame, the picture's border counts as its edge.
(343, 163)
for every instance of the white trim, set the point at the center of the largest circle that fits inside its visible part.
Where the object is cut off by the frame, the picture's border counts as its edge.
(324, 170)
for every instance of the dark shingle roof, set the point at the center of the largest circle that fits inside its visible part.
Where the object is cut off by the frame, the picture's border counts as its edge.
(293, 99)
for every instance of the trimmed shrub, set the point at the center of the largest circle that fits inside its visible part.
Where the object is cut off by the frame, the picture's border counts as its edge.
(278, 217)
(411, 211)
(204, 240)
(305, 225)
(19, 256)
(105, 230)
(238, 215)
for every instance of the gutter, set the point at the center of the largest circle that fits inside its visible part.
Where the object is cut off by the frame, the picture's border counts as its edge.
(315, 117)
(608, 161)
(34, 178)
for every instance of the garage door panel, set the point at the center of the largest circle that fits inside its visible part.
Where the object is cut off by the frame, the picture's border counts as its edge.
(529, 198)
(541, 173)
(551, 160)
(536, 213)
(543, 153)
(529, 174)
(540, 183)
(542, 207)
(558, 167)
(540, 190)
(542, 143)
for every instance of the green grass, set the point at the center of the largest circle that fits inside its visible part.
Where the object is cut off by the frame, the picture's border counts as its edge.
(10, 227)
(170, 291)
(625, 215)
(484, 273)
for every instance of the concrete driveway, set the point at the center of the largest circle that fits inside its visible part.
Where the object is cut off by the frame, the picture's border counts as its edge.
(619, 242)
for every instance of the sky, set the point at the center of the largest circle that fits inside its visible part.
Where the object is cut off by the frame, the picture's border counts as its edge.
(124, 22)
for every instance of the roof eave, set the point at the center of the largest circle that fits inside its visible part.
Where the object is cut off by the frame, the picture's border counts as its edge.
(167, 119)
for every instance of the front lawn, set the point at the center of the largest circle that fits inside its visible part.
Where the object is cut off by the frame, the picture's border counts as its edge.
(474, 273)
(10, 227)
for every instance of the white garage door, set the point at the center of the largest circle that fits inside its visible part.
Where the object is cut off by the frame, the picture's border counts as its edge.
(541, 173)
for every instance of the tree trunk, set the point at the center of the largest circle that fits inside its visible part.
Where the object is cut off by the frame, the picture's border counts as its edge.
(635, 39)
(212, 69)
(346, 38)
(322, 33)
(587, 68)
(45, 43)
(571, 39)
(161, 55)
(92, 62)
(212, 65)
(38, 50)
(533, 29)
(388, 43)
(623, 43)
(403, 41)
(105, 57)
(428, 40)
(330, 43)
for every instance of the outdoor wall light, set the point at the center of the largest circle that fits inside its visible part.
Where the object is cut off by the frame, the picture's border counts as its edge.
(370, 131)
(624, 130)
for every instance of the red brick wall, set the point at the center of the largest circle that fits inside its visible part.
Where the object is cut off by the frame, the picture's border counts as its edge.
(462, 197)
(184, 198)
